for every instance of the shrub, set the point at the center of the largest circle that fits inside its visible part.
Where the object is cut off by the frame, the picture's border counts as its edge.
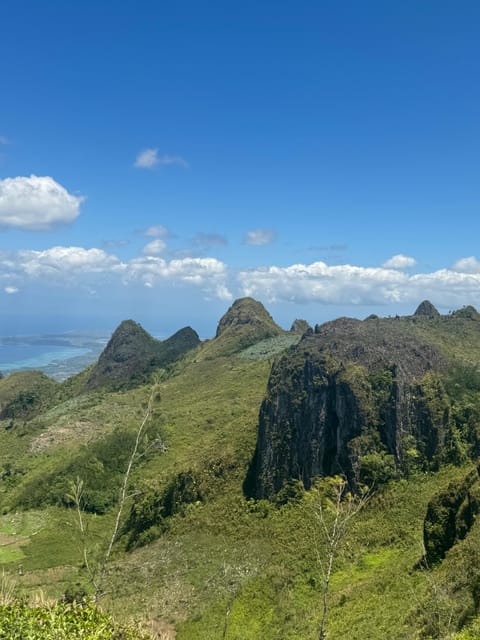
(63, 621)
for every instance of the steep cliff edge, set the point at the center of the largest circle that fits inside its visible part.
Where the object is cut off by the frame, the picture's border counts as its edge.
(366, 399)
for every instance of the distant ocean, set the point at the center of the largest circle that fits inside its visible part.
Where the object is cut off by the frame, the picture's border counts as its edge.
(59, 356)
(29, 356)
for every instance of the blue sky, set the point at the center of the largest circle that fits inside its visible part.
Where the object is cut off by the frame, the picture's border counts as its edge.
(159, 160)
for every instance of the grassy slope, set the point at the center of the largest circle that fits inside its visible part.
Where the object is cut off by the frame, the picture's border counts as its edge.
(225, 564)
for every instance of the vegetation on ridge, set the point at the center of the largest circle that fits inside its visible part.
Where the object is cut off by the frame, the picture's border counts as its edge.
(198, 560)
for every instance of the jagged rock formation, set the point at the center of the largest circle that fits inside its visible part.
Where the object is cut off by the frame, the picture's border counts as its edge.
(426, 309)
(245, 323)
(450, 516)
(132, 353)
(350, 398)
(300, 326)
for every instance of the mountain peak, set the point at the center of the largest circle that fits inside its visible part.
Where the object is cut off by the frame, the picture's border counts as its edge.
(426, 309)
(300, 326)
(132, 353)
(245, 323)
(247, 311)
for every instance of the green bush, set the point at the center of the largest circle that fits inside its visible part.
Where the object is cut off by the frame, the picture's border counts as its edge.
(64, 621)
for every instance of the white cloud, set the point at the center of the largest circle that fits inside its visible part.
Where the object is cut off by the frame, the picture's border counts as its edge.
(317, 282)
(157, 231)
(75, 266)
(467, 265)
(260, 237)
(146, 159)
(400, 261)
(61, 263)
(36, 203)
(209, 274)
(154, 248)
(149, 158)
(351, 285)
(344, 284)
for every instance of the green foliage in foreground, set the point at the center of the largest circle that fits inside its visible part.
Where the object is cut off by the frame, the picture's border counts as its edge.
(63, 621)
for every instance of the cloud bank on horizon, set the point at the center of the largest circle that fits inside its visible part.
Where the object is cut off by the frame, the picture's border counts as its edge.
(317, 282)
(40, 203)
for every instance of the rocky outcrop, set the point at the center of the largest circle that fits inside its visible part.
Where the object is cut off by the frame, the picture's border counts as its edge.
(132, 354)
(247, 312)
(349, 396)
(300, 326)
(426, 309)
(245, 323)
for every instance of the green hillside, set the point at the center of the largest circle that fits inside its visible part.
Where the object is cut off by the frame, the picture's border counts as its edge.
(193, 557)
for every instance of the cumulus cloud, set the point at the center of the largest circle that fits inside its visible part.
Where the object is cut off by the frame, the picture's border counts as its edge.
(400, 261)
(73, 266)
(149, 158)
(36, 203)
(352, 285)
(62, 262)
(208, 274)
(467, 265)
(344, 284)
(154, 248)
(259, 237)
(11, 290)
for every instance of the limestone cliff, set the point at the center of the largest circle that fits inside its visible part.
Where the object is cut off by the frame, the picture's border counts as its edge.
(351, 397)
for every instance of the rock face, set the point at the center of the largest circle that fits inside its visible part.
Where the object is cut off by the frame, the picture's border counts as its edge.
(300, 326)
(245, 323)
(450, 516)
(349, 396)
(132, 353)
(426, 309)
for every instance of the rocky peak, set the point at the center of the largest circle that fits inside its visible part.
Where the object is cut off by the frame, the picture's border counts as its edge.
(245, 323)
(246, 311)
(132, 353)
(427, 310)
(300, 326)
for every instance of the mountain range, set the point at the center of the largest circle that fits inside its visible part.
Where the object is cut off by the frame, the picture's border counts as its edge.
(220, 462)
